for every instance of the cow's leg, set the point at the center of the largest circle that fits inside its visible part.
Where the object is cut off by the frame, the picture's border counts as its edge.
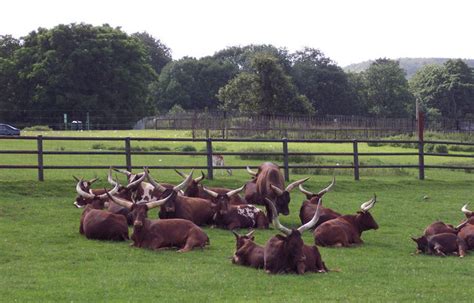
(438, 250)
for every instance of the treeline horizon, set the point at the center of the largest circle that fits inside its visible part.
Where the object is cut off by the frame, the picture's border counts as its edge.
(85, 68)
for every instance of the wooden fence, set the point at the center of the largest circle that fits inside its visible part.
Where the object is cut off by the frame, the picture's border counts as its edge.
(285, 154)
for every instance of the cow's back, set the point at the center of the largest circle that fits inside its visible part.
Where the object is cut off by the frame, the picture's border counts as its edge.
(269, 174)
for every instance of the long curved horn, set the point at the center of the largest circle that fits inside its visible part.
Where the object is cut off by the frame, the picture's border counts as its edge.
(122, 202)
(157, 203)
(110, 179)
(325, 190)
(185, 183)
(130, 185)
(250, 233)
(461, 225)
(252, 172)
(210, 192)
(83, 193)
(296, 183)
(304, 191)
(235, 191)
(91, 181)
(76, 178)
(313, 221)
(200, 178)
(276, 221)
(111, 192)
(155, 184)
(125, 172)
(466, 211)
(277, 190)
(181, 174)
(369, 204)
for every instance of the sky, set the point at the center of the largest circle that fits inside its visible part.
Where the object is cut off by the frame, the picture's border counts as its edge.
(345, 31)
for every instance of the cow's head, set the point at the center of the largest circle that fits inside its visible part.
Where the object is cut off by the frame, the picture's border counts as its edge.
(240, 240)
(293, 243)
(422, 244)
(364, 218)
(467, 212)
(314, 198)
(96, 201)
(222, 201)
(169, 206)
(192, 190)
(85, 186)
(282, 197)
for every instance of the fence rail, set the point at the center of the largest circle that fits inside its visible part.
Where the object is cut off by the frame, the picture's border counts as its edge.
(286, 154)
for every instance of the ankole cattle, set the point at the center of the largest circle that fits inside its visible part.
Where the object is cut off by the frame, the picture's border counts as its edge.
(247, 252)
(269, 183)
(100, 224)
(346, 230)
(158, 234)
(288, 253)
(195, 189)
(308, 208)
(197, 210)
(439, 227)
(441, 244)
(231, 217)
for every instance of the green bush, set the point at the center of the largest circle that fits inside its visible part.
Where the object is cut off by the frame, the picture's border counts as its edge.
(38, 128)
(186, 148)
(441, 148)
(429, 148)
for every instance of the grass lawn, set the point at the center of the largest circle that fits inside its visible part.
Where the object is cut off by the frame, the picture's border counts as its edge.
(44, 258)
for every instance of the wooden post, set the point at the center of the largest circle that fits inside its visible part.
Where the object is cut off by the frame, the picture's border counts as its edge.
(421, 153)
(39, 142)
(356, 160)
(210, 170)
(285, 159)
(128, 155)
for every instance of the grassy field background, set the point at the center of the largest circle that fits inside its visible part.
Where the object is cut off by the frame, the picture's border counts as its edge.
(44, 258)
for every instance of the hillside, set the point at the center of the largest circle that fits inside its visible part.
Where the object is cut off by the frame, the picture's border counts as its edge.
(410, 65)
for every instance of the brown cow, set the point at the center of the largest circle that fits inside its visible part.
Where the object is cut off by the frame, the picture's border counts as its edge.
(236, 216)
(197, 210)
(100, 224)
(195, 189)
(288, 254)
(439, 227)
(247, 252)
(346, 230)
(158, 234)
(309, 206)
(270, 184)
(441, 244)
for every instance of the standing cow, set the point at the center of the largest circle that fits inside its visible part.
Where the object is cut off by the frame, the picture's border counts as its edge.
(346, 230)
(308, 208)
(289, 254)
(269, 183)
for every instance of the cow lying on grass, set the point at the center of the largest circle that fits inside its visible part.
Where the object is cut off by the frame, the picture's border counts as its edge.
(247, 252)
(308, 208)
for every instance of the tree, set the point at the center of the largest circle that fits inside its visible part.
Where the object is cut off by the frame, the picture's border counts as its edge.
(8, 45)
(265, 90)
(159, 54)
(323, 82)
(387, 89)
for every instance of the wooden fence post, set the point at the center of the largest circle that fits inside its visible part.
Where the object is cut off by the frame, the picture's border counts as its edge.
(128, 154)
(285, 159)
(356, 160)
(39, 141)
(421, 144)
(210, 171)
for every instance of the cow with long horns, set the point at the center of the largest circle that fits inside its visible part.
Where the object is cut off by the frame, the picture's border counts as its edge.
(247, 252)
(269, 183)
(197, 210)
(231, 217)
(441, 244)
(195, 189)
(346, 230)
(288, 253)
(158, 234)
(97, 223)
(308, 208)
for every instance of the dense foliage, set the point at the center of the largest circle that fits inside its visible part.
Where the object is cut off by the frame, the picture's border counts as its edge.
(119, 78)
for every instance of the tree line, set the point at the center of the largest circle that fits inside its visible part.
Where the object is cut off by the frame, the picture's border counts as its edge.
(80, 67)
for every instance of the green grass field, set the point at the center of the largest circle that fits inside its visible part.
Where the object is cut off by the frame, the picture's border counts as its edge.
(44, 258)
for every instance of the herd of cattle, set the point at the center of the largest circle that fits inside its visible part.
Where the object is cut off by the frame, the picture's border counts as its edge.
(183, 208)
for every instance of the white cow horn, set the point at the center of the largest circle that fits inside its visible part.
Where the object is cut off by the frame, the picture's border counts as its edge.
(157, 203)
(81, 192)
(253, 173)
(329, 187)
(465, 210)
(185, 183)
(313, 221)
(122, 202)
(276, 221)
(277, 190)
(366, 206)
(112, 192)
(235, 191)
(304, 191)
(125, 172)
(210, 192)
(296, 183)
(155, 184)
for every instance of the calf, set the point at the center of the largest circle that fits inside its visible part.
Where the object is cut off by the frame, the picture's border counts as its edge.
(236, 216)
(100, 224)
(247, 252)
(441, 244)
(288, 254)
(308, 208)
(158, 234)
(218, 161)
(200, 211)
(346, 230)
(195, 189)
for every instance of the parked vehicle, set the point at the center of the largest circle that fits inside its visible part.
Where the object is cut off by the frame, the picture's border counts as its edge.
(8, 130)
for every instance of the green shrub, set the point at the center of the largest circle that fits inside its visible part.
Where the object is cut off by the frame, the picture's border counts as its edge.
(186, 148)
(275, 158)
(99, 146)
(375, 144)
(441, 148)
(38, 128)
(429, 148)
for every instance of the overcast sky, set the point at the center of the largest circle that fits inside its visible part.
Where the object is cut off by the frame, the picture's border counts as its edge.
(346, 31)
